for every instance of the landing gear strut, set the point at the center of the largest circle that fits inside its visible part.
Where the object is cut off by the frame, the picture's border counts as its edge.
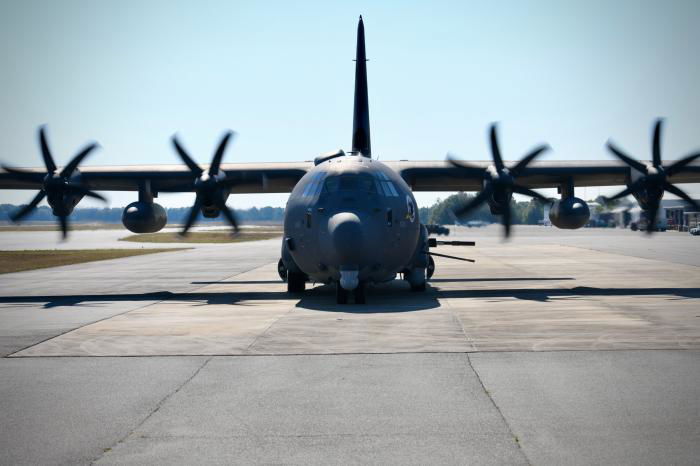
(360, 294)
(296, 282)
(341, 294)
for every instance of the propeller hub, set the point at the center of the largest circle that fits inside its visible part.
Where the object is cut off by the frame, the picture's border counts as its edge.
(505, 178)
(654, 171)
(211, 186)
(650, 188)
(61, 195)
(54, 181)
(492, 172)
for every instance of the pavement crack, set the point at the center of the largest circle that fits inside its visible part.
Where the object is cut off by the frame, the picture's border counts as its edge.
(459, 322)
(500, 413)
(152, 412)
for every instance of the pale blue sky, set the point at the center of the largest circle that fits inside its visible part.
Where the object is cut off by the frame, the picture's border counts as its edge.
(131, 73)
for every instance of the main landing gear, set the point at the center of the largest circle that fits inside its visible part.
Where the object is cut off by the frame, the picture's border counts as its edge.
(296, 281)
(341, 294)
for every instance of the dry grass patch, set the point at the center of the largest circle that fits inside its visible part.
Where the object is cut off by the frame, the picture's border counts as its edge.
(54, 227)
(18, 261)
(205, 237)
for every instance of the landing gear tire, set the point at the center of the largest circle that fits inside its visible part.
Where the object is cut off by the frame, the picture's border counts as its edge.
(360, 294)
(341, 294)
(416, 278)
(431, 267)
(282, 270)
(296, 282)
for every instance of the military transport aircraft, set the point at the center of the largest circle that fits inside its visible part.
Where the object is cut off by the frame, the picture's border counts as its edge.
(351, 220)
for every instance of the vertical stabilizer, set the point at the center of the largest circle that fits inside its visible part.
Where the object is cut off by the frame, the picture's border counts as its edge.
(360, 119)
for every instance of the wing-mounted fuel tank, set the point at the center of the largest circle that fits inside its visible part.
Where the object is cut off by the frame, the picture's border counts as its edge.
(569, 212)
(144, 216)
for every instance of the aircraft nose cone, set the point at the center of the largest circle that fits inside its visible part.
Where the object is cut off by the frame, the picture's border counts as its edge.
(347, 236)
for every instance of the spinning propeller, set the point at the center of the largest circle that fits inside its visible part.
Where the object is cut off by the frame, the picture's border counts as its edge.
(499, 181)
(211, 186)
(63, 190)
(650, 187)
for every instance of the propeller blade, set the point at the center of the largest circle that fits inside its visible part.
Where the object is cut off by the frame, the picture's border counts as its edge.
(626, 158)
(506, 222)
(22, 175)
(656, 144)
(495, 151)
(634, 187)
(194, 168)
(194, 211)
(682, 194)
(229, 215)
(680, 164)
(529, 192)
(517, 169)
(218, 156)
(63, 220)
(73, 164)
(45, 151)
(82, 190)
(651, 218)
(16, 217)
(474, 203)
(469, 169)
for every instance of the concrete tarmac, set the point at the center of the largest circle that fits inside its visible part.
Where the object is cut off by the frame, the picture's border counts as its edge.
(556, 347)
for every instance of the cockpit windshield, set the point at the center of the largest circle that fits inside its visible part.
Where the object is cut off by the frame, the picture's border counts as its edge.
(350, 182)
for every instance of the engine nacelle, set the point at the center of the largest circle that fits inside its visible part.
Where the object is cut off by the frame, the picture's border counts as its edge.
(569, 213)
(144, 217)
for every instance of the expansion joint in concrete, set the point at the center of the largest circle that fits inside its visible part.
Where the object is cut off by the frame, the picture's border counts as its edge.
(498, 410)
(154, 410)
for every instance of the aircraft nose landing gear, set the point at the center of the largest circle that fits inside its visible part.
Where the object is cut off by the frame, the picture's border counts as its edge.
(341, 294)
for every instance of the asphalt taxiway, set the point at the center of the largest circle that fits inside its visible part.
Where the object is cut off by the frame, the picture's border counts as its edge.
(556, 347)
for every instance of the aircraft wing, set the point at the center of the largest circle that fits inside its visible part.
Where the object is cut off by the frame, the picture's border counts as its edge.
(246, 177)
(281, 177)
(443, 176)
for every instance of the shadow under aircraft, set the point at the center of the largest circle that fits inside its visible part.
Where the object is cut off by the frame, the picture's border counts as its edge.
(389, 298)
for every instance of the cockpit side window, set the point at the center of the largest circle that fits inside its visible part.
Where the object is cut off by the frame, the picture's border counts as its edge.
(314, 185)
(385, 186)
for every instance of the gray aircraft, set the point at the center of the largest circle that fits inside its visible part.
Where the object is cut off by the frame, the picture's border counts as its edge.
(351, 220)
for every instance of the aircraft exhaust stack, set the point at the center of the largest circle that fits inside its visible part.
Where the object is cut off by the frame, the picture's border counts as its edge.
(360, 120)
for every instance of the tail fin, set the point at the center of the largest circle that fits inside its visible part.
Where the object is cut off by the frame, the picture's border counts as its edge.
(360, 119)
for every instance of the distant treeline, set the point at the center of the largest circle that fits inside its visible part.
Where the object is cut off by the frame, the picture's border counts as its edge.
(439, 213)
(114, 214)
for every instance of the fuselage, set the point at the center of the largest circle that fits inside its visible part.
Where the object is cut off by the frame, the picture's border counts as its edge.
(351, 215)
